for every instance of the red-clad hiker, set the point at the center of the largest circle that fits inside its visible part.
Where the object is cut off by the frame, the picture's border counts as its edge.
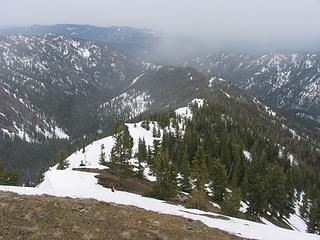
(112, 187)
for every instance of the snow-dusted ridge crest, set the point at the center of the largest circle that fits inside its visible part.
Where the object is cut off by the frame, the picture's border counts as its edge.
(76, 184)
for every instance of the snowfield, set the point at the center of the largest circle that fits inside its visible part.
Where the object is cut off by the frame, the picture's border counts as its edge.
(76, 184)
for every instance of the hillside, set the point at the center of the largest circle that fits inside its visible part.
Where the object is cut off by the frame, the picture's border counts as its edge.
(83, 184)
(91, 219)
(289, 81)
(48, 81)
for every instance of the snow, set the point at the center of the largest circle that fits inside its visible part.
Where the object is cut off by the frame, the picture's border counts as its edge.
(228, 95)
(131, 103)
(247, 155)
(197, 101)
(136, 79)
(78, 184)
(59, 133)
(294, 134)
(211, 81)
(184, 112)
(90, 156)
(243, 207)
(75, 184)
(295, 220)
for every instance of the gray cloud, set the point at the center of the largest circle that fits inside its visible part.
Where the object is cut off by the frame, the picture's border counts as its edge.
(265, 22)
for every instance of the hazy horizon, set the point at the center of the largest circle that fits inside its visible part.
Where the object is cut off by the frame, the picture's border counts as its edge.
(289, 24)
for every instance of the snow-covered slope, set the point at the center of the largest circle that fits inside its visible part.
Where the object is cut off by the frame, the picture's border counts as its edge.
(77, 184)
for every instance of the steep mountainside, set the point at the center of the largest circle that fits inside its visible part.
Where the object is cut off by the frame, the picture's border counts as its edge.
(161, 88)
(51, 82)
(288, 81)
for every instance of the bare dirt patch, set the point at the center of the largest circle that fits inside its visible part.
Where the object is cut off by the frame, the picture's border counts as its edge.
(46, 217)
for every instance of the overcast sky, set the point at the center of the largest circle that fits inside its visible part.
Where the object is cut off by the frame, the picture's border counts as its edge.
(263, 20)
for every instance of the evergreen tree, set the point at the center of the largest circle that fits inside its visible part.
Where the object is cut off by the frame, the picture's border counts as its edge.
(257, 192)
(165, 186)
(218, 177)
(102, 158)
(62, 162)
(314, 216)
(141, 156)
(39, 176)
(122, 150)
(231, 204)
(305, 207)
(198, 200)
(154, 131)
(279, 202)
(69, 149)
(199, 170)
(185, 184)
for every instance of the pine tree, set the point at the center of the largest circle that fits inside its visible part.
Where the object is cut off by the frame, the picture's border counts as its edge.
(278, 200)
(102, 158)
(39, 176)
(218, 177)
(62, 163)
(257, 192)
(165, 186)
(185, 172)
(154, 131)
(305, 207)
(158, 133)
(314, 216)
(141, 156)
(199, 170)
(231, 204)
(122, 150)
(198, 200)
(69, 149)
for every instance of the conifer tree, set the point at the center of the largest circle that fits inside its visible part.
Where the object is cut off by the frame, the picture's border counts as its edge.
(122, 150)
(279, 202)
(154, 131)
(199, 170)
(314, 216)
(141, 156)
(231, 204)
(185, 172)
(165, 187)
(218, 177)
(69, 149)
(257, 192)
(62, 163)
(102, 158)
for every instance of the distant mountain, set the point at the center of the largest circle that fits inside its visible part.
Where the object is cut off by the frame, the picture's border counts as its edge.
(50, 88)
(132, 40)
(288, 81)
(161, 88)
(51, 82)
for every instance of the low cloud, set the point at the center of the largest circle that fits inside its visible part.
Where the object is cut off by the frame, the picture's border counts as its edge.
(260, 23)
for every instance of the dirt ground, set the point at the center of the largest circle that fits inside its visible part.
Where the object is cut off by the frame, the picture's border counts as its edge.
(46, 218)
